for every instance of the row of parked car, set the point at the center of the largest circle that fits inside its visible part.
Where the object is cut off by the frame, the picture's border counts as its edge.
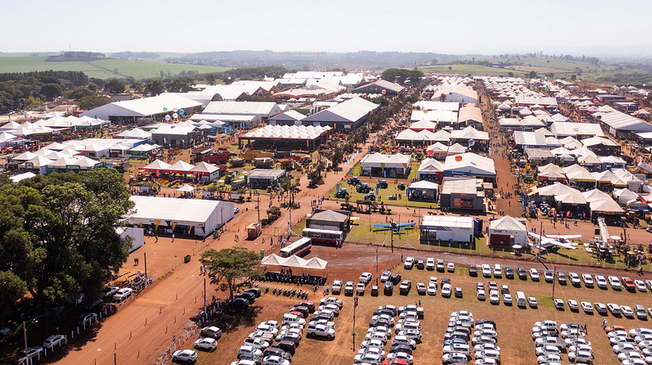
(551, 341)
(482, 334)
(407, 330)
(633, 347)
(573, 278)
(430, 264)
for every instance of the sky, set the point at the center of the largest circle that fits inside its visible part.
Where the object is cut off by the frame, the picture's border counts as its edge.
(577, 27)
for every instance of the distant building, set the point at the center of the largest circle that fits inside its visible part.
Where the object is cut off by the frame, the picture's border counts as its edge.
(464, 193)
(377, 87)
(345, 116)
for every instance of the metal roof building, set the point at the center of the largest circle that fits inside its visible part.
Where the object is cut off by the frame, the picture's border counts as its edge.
(143, 108)
(345, 116)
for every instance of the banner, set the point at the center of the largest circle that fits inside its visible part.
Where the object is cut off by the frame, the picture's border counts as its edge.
(157, 223)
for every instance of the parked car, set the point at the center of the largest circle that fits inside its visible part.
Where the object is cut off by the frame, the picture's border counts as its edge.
(421, 288)
(408, 263)
(430, 264)
(450, 267)
(206, 343)
(122, 294)
(109, 291)
(87, 319)
(186, 356)
(54, 340)
(532, 301)
(405, 287)
(601, 282)
(534, 274)
(522, 274)
(337, 286)
(385, 276)
(348, 288)
(365, 278)
(588, 280)
(212, 332)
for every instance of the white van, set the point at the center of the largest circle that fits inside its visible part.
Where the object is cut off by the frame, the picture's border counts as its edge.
(521, 301)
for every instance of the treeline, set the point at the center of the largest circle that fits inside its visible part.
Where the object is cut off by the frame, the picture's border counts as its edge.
(80, 54)
(19, 91)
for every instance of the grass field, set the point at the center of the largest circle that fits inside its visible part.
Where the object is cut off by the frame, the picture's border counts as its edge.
(104, 69)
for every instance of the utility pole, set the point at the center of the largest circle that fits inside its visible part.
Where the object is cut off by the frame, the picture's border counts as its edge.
(258, 206)
(376, 266)
(25, 337)
(205, 303)
(145, 260)
(554, 275)
(355, 304)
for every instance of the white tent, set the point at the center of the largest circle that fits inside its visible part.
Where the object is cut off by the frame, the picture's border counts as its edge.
(507, 231)
(625, 196)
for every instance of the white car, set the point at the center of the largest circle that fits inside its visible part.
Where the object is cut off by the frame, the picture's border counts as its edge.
(337, 286)
(532, 301)
(587, 307)
(494, 298)
(640, 285)
(486, 270)
(409, 263)
(573, 305)
(534, 274)
(446, 290)
(548, 349)
(580, 356)
(550, 358)
(275, 360)
(627, 311)
(588, 280)
(123, 294)
(430, 264)
(615, 283)
(481, 295)
(54, 340)
(365, 278)
(402, 340)
(507, 299)
(206, 343)
(614, 309)
(624, 347)
(432, 288)
(184, 356)
(401, 356)
(450, 267)
(601, 282)
(385, 276)
(574, 279)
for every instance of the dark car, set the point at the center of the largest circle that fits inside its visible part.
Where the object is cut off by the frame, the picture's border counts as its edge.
(239, 303)
(287, 346)
(374, 290)
(395, 278)
(255, 291)
(306, 303)
(400, 348)
(509, 272)
(401, 186)
(301, 309)
(420, 265)
(389, 288)
(371, 197)
(522, 274)
(473, 270)
(251, 297)
(275, 351)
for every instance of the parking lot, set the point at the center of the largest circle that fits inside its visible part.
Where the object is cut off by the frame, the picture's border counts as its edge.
(514, 324)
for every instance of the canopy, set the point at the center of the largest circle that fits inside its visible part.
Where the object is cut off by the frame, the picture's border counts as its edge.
(157, 165)
(186, 188)
(180, 167)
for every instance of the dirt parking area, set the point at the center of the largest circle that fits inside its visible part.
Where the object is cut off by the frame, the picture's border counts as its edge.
(513, 324)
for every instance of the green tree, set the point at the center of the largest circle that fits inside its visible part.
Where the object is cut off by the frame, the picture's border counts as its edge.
(154, 87)
(93, 101)
(51, 91)
(336, 156)
(181, 85)
(225, 267)
(57, 234)
(114, 86)
(210, 79)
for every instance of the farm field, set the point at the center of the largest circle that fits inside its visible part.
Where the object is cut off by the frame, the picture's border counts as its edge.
(513, 324)
(104, 69)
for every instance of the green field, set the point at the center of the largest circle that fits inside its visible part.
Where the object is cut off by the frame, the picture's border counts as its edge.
(104, 69)
(559, 68)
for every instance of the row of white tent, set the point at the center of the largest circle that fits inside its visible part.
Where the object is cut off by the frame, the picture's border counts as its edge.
(275, 261)
(288, 132)
(598, 201)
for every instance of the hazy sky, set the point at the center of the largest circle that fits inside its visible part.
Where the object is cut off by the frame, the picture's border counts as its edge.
(578, 27)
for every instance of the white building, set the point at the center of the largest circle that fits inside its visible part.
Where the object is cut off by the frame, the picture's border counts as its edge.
(507, 232)
(446, 228)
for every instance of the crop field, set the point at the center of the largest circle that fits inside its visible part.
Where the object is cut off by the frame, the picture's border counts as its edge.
(513, 323)
(104, 69)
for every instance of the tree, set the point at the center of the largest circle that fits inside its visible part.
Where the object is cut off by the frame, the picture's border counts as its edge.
(93, 101)
(228, 265)
(210, 79)
(336, 156)
(181, 85)
(51, 91)
(57, 235)
(154, 87)
(114, 86)
(442, 97)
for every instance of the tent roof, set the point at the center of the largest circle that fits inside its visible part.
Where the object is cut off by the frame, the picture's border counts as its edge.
(160, 104)
(180, 166)
(205, 168)
(315, 263)
(423, 184)
(430, 164)
(330, 216)
(470, 163)
(470, 133)
(172, 209)
(273, 259)
(348, 111)
(507, 223)
(157, 165)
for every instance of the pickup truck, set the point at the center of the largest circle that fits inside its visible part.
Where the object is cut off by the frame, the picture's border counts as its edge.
(321, 331)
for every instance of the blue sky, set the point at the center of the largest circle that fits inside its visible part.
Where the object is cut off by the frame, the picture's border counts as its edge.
(577, 27)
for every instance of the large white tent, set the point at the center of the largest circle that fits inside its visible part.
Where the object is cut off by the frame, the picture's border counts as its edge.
(469, 164)
(198, 217)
